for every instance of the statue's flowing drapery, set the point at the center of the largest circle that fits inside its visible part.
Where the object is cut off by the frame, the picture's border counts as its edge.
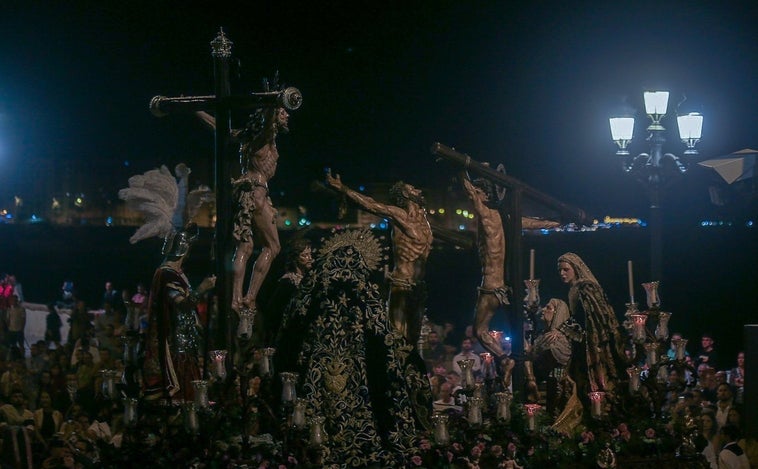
(355, 370)
(599, 363)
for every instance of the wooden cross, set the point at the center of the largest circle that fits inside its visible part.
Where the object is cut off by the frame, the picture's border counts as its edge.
(222, 103)
(517, 190)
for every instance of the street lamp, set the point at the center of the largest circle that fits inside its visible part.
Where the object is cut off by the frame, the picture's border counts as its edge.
(656, 170)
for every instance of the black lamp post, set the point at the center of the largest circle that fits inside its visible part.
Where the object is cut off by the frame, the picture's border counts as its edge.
(656, 170)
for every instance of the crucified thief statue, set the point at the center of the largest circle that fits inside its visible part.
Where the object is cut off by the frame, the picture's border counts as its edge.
(255, 215)
(411, 244)
(492, 293)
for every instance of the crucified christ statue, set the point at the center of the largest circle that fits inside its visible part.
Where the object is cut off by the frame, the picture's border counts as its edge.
(255, 215)
(411, 245)
(492, 293)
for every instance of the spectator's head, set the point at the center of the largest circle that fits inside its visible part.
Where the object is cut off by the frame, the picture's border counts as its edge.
(704, 370)
(734, 417)
(674, 337)
(255, 385)
(707, 423)
(17, 398)
(446, 390)
(87, 358)
(707, 342)
(44, 401)
(466, 345)
(724, 392)
(730, 433)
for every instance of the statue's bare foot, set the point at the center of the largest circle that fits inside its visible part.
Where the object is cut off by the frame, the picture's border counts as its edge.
(237, 305)
(249, 303)
(507, 365)
(532, 391)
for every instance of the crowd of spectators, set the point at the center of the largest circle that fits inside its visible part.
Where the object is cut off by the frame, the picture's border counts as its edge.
(55, 410)
(705, 391)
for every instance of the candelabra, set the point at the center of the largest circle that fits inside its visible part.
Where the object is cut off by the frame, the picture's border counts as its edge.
(656, 170)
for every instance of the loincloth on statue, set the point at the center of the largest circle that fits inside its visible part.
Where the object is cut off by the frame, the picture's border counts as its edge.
(501, 293)
(247, 207)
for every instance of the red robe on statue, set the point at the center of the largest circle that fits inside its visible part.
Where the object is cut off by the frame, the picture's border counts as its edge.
(172, 342)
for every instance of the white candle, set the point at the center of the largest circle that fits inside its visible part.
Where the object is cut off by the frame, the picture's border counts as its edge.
(631, 281)
(531, 264)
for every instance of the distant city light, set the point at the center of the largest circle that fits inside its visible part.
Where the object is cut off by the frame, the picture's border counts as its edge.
(383, 225)
(465, 213)
(361, 188)
(441, 211)
(287, 222)
(461, 227)
(109, 221)
(458, 211)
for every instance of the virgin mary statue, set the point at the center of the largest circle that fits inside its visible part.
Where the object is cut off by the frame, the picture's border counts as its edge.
(355, 370)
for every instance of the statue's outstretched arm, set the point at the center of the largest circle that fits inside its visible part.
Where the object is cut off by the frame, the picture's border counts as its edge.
(206, 119)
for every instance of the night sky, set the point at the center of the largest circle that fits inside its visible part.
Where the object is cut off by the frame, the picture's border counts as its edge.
(530, 86)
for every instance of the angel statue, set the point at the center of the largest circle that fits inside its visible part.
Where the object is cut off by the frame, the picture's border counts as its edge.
(172, 342)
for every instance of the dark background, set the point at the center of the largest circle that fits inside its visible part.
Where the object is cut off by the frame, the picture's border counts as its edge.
(530, 85)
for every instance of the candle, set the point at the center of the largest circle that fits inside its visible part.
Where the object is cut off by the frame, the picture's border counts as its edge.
(631, 281)
(200, 387)
(298, 413)
(531, 411)
(596, 397)
(441, 434)
(634, 378)
(503, 405)
(531, 264)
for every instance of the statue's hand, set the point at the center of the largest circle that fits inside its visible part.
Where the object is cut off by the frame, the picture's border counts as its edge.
(207, 283)
(333, 181)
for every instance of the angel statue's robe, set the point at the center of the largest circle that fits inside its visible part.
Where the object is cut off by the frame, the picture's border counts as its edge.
(172, 338)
